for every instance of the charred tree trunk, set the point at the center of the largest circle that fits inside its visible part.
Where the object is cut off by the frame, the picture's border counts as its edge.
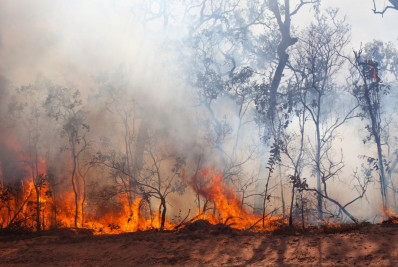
(383, 182)
(284, 44)
(258, 201)
(318, 160)
(37, 185)
(198, 199)
(282, 193)
(75, 191)
(291, 206)
(75, 182)
(142, 139)
(83, 198)
(128, 150)
(54, 210)
(266, 196)
(302, 211)
(373, 110)
(368, 96)
(243, 199)
(33, 162)
(38, 224)
(163, 218)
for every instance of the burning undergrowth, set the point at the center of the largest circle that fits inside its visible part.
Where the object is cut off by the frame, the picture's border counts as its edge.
(227, 208)
(31, 200)
(392, 218)
(34, 204)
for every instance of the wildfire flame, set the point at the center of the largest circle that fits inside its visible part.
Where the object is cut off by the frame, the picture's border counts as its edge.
(228, 208)
(34, 196)
(59, 212)
(387, 212)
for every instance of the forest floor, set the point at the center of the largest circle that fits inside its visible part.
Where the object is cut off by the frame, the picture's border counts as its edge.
(201, 244)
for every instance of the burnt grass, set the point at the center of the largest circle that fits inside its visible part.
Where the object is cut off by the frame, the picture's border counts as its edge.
(197, 228)
(194, 229)
(200, 243)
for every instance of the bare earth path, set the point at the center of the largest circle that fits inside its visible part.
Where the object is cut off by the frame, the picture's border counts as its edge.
(368, 245)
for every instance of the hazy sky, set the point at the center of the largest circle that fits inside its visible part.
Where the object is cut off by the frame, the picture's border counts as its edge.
(78, 36)
(366, 25)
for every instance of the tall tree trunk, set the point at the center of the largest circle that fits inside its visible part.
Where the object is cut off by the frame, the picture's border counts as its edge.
(163, 219)
(35, 174)
(302, 211)
(75, 182)
(282, 193)
(264, 154)
(38, 224)
(284, 44)
(291, 206)
(128, 162)
(83, 200)
(142, 139)
(383, 182)
(375, 127)
(318, 171)
(283, 57)
(54, 210)
(266, 196)
(75, 191)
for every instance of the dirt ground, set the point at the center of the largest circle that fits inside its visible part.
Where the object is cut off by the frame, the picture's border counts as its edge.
(204, 245)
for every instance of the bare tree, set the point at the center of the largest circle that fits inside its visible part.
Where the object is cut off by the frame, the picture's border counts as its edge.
(269, 91)
(159, 181)
(221, 41)
(160, 175)
(283, 14)
(393, 5)
(369, 91)
(295, 154)
(318, 60)
(386, 55)
(26, 107)
(121, 107)
(64, 105)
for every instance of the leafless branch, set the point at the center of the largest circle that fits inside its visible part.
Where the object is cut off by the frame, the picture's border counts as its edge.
(301, 4)
(384, 10)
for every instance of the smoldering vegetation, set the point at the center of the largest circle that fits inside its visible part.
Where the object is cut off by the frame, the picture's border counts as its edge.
(144, 115)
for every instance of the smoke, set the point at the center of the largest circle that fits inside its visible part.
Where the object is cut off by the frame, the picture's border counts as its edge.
(101, 49)
(124, 69)
(73, 44)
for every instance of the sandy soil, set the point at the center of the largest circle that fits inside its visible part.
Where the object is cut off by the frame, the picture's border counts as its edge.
(203, 245)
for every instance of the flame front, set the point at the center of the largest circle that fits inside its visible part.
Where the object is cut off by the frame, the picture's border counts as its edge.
(35, 203)
(228, 208)
(387, 212)
(58, 211)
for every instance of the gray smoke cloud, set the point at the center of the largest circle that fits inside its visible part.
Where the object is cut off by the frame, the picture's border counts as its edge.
(93, 44)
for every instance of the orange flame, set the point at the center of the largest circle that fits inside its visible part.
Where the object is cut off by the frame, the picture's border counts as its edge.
(387, 212)
(20, 204)
(227, 204)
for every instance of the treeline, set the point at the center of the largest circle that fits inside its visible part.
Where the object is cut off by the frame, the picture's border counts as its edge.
(271, 105)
